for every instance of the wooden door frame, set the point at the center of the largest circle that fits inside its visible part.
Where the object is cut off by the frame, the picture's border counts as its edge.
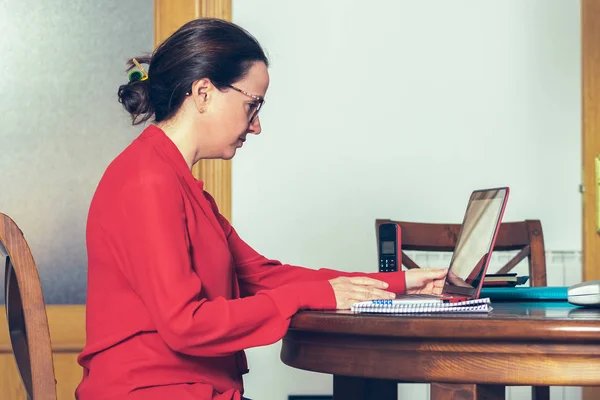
(590, 139)
(590, 146)
(169, 15)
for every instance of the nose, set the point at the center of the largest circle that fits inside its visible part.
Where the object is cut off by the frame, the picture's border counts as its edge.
(254, 127)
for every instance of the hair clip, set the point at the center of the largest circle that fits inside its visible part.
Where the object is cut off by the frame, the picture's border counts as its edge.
(140, 75)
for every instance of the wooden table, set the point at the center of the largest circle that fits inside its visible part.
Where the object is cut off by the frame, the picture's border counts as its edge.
(469, 356)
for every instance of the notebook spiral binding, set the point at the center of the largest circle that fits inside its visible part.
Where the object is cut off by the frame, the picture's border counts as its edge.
(391, 307)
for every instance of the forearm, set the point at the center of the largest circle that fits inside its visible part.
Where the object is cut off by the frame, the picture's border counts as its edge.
(221, 327)
(272, 274)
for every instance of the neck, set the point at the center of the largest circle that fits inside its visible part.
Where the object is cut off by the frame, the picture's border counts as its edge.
(180, 136)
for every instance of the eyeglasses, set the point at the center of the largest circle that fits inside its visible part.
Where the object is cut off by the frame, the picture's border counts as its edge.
(254, 109)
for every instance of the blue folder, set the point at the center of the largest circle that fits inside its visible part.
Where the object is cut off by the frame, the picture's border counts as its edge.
(544, 293)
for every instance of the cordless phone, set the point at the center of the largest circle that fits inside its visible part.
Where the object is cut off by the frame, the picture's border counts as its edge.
(390, 248)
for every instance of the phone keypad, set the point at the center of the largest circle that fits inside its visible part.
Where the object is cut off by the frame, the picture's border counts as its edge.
(387, 264)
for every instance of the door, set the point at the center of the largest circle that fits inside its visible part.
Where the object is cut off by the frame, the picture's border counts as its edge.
(590, 140)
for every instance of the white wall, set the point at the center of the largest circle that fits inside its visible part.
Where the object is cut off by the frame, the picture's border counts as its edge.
(399, 109)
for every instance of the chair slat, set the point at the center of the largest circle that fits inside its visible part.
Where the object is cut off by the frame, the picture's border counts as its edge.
(520, 256)
(408, 262)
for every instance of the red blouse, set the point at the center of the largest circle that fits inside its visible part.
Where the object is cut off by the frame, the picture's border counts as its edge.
(174, 294)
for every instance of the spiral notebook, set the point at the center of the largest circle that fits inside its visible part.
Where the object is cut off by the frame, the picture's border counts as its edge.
(482, 305)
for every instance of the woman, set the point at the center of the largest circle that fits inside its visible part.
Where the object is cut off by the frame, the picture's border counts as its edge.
(174, 294)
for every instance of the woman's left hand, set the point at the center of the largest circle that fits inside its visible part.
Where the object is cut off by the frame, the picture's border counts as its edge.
(425, 280)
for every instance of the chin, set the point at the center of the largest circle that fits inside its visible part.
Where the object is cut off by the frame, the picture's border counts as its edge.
(228, 155)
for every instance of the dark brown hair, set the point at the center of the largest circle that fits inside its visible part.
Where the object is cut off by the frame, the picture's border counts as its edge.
(202, 48)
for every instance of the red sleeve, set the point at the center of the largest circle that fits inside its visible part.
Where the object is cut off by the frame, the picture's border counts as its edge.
(153, 243)
(257, 272)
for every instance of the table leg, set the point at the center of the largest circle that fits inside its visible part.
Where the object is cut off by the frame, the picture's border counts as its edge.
(457, 391)
(355, 388)
(540, 393)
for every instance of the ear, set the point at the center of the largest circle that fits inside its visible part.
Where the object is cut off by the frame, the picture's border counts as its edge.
(202, 90)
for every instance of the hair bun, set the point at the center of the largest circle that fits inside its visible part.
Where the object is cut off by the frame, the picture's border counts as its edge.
(134, 97)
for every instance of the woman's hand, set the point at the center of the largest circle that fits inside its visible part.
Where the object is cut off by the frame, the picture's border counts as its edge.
(425, 281)
(349, 290)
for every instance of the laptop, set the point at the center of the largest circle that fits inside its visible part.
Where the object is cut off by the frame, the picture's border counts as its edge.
(473, 249)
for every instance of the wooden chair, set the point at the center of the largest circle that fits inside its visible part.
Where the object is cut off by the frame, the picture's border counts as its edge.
(26, 314)
(525, 237)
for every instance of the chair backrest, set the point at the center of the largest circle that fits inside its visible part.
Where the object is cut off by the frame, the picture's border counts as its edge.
(525, 236)
(26, 314)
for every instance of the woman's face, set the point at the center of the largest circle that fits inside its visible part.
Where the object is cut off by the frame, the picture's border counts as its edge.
(231, 114)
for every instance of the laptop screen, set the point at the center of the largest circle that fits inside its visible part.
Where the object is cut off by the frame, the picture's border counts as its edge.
(475, 241)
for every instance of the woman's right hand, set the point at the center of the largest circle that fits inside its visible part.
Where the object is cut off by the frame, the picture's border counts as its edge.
(349, 290)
